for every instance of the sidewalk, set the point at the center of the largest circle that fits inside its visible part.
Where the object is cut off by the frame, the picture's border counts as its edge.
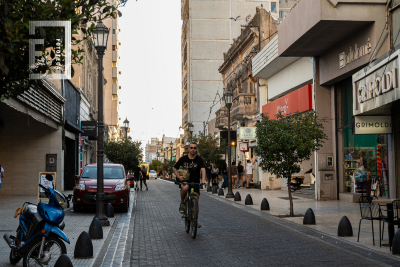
(75, 224)
(327, 214)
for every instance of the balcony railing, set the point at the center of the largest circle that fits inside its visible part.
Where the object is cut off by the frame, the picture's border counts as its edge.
(184, 101)
(183, 42)
(185, 120)
(243, 105)
(184, 81)
(184, 23)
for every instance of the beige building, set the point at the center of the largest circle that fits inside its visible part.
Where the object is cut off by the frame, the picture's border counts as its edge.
(208, 30)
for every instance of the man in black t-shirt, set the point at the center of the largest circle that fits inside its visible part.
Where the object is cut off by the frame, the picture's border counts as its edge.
(194, 164)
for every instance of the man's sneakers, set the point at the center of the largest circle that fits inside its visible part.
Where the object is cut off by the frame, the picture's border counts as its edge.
(182, 208)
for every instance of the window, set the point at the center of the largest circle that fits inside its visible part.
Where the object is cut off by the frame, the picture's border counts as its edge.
(113, 31)
(280, 14)
(273, 7)
(114, 48)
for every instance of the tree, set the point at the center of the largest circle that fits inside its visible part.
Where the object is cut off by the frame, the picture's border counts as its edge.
(167, 165)
(124, 152)
(14, 37)
(284, 142)
(208, 148)
(156, 165)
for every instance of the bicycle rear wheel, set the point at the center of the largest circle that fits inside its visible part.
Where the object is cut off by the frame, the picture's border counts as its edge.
(193, 223)
(187, 218)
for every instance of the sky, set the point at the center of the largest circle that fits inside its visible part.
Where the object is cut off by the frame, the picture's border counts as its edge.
(150, 63)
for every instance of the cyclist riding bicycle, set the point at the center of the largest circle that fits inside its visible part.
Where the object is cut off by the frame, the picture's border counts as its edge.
(194, 164)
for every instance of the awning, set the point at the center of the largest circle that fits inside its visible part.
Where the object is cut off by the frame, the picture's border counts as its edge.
(70, 127)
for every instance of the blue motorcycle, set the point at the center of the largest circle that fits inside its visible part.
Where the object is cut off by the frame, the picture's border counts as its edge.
(39, 235)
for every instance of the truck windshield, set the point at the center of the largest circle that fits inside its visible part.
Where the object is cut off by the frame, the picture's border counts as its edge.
(110, 172)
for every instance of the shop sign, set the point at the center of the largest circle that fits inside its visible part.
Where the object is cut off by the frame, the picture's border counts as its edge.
(299, 100)
(247, 133)
(355, 54)
(377, 87)
(253, 143)
(372, 124)
(244, 147)
(89, 128)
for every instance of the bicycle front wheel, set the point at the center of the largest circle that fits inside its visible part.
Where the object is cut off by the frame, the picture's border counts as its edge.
(193, 223)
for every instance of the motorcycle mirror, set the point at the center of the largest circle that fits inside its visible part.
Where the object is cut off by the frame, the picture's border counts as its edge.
(49, 177)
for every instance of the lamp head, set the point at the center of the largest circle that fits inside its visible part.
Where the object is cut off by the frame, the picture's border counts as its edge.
(100, 36)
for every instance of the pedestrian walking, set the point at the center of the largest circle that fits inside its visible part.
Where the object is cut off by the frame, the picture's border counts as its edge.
(1, 174)
(234, 174)
(224, 172)
(208, 173)
(249, 173)
(144, 178)
(240, 174)
(214, 175)
(137, 176)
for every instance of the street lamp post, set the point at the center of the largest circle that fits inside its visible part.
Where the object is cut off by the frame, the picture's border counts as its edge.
(228, 103)
(100, 37)
(171, 145)
(126, 127)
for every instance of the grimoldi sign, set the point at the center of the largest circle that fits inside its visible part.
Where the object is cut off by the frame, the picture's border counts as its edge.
(377, 87)
(372, 124)
(354, 54)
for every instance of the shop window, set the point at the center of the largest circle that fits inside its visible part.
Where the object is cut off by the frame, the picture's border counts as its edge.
(365, 157)
(273, 7)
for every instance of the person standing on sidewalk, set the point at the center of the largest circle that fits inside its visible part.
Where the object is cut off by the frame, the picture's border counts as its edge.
(208, 174)
(240, 174)
(224, 173)
(249, 173)
(137, 177)
(1, 174)
(144, 177)
(234, 174)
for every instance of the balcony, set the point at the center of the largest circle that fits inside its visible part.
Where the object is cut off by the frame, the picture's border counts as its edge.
(184, 23)
(115, 89)
(184, 8)
(183, 42)
(185, 120)
(184, 82)
(115, 72)
(184, 60)
(114, 39)
(184, 101)
(221, 121)
(243, 107)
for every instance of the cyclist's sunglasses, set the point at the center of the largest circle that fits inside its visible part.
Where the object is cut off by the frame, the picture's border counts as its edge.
(193, 147)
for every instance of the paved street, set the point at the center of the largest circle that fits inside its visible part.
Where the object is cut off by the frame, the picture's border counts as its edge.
(232, 235)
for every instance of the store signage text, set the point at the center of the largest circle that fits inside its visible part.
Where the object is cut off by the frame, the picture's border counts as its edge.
(372, 124)
(377, 87)
(355, 54)
(89, 128)
(299, 100)
(247, 133)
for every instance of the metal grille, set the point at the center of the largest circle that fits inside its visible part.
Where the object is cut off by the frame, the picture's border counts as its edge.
(344, 103)
(42, 102)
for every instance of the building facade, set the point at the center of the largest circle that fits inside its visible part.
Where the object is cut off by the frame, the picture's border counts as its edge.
(208, 30)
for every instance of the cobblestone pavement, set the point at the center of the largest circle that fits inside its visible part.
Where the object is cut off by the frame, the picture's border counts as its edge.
(232, 235)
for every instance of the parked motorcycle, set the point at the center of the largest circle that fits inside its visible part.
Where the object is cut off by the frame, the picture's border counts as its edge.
(297, 181)
(39, 238)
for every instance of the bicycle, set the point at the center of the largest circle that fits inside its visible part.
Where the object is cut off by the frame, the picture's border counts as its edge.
(191, 210)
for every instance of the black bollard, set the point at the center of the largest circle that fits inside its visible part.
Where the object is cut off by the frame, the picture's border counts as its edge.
(264, 204)
(83, 247)
(209, 189)
(396, 243)
(344, 228)
(95, 229)
(309, 217)
(63, 261)
(237, 197)
(248, 200)
(109, 211)
(214, 190)
(220, 192)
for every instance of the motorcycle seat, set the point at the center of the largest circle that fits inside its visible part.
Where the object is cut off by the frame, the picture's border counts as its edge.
(29, 211)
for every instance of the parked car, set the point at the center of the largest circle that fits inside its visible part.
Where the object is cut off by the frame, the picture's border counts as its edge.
(153, 174)
(116, 187)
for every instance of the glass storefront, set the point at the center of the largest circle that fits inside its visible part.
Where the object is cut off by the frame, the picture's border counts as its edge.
(365, 157)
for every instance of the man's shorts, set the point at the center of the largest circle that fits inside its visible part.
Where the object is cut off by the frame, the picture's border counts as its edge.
(196, 188)
(249, 177)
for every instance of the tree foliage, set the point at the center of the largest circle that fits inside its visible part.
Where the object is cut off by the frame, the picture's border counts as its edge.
(125, 152)
(14, 36)
(284, 142)
(167, 165)
(156, 165)
(208, 148)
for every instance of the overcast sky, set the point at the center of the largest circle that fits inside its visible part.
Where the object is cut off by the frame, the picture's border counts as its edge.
(150, 63)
